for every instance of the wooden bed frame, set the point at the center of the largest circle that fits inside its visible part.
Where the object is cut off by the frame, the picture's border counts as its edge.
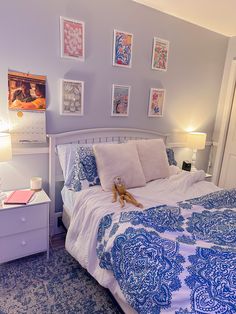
(99, 135)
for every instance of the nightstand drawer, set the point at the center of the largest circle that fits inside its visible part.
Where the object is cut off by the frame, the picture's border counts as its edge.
(23, 244)
(22, 219)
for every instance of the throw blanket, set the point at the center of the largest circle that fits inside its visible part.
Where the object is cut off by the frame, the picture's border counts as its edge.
(174, 259)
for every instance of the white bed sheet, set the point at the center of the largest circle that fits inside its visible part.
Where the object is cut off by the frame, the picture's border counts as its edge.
(93, 203)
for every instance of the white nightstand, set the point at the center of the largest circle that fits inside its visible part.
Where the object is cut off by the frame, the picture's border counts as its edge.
(24, 229)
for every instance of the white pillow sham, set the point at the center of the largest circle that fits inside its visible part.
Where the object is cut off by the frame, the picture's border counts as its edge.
(153, 158)
(118, 160)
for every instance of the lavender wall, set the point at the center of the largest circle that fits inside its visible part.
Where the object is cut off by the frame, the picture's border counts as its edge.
(30, 42)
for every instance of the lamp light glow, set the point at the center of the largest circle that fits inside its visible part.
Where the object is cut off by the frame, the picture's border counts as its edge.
(5, 147)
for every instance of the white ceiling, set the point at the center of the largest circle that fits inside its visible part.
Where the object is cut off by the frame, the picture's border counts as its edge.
(216, 15)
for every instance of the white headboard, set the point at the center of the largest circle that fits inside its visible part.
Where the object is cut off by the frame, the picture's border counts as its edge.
(100, 135)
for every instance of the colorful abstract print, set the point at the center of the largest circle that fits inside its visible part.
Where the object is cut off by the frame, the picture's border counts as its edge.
(73, 39)
(160, 55)
(123, 49)
(154, 253)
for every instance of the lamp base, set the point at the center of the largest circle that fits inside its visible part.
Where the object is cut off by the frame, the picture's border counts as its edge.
(194, 156)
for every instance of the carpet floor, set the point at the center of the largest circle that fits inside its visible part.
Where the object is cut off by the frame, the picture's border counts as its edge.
(35, 285)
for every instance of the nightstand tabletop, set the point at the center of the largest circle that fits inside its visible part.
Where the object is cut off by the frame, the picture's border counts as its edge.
(39, 197)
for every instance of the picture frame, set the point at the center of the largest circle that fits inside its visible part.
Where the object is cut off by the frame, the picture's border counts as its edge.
(156, 102)
(72, 38)
(122, 49)
(72, 98)
(160, 54)
(120, 100)
(26, 92)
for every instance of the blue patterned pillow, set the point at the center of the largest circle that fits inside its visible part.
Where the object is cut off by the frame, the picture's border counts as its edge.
(171, 157)
(84, 172)
(78, 165)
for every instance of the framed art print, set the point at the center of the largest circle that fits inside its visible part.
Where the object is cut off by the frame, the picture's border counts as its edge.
(72, 38)
(156, 102)
(122, 49)
(26, 92)
(160, 54)
(72, 98)
(120, 100)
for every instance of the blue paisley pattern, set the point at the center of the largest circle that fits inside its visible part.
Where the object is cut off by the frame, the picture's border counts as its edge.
(184, 311)
(212, 281)
(217, 227)
(146, 268)
(186, 239)
(84, 172)
(217, 200)
(145, 250)
(171, 157)
(160, 218)
(104, 224)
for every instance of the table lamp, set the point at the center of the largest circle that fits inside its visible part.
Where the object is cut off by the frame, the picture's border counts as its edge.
(195, 140)
(5, 154)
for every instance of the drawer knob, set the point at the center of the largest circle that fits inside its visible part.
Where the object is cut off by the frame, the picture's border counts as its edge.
(23, 243)
(23, 219)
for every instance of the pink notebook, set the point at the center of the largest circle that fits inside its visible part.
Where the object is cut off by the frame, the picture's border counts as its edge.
(19, 197)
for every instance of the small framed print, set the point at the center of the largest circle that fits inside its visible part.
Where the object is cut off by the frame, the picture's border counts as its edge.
(120, 100)
(122, 49)
(72, 38)
(156, 102)
(160, 54)
(72, 98)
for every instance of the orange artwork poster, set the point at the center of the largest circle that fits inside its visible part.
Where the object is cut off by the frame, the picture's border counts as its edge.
(26, 92)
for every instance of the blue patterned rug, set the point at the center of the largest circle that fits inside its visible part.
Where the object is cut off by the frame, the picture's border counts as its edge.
(60, 285)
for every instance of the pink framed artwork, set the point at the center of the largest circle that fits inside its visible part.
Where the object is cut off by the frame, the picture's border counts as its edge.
(160, 54)
(72, 38)
(156, 102)
(122, 49)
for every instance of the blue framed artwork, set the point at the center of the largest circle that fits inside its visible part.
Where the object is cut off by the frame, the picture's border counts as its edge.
(122, 49)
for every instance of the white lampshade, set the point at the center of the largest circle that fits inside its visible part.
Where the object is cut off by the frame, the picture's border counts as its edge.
(5, 147)
(196, 140)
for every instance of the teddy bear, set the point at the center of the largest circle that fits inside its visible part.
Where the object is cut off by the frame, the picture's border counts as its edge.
(118, 188)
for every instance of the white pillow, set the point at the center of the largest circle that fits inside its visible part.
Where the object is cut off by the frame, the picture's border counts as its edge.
(118, 160)
(153, 158)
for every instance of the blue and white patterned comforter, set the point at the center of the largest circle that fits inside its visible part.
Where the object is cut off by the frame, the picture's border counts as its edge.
(169, 258)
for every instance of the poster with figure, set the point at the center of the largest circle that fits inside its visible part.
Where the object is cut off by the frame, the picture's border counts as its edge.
(72, 98)
(160, 54)
(156, 102)
(120, 100)
(72, 38)
(122, 49)
(27, 107)
(26, 92)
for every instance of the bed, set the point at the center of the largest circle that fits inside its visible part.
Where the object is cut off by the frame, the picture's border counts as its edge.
(176, 255)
